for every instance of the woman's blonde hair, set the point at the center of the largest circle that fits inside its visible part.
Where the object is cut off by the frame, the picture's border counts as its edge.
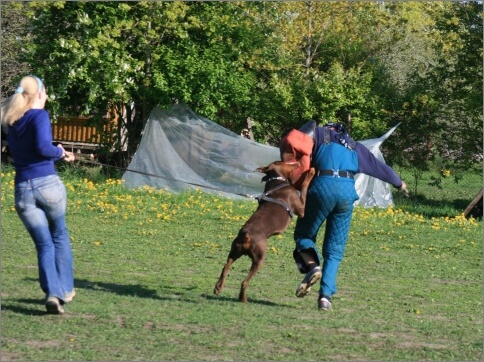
(14, 107)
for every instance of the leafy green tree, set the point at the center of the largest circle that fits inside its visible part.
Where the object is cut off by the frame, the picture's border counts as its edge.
(14, 26)
(433, 75)
(404, 79)
(369, 65)
(96, 57)
(324, 70)
(461, 76)
(132, 56)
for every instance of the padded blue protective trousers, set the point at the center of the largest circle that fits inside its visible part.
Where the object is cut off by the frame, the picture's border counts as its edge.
(329, 199)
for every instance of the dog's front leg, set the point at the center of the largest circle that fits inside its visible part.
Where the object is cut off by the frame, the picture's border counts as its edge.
(299, 209)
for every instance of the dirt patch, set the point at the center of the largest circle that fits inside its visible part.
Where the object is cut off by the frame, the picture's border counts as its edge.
(9, 356)
(419, 345)
(41, 344)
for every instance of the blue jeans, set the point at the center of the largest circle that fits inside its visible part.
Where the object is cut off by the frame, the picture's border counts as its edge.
(41, 205)
(328, 200)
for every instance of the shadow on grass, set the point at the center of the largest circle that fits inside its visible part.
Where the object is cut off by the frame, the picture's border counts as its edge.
(120, 289)
(169, 293)
(429, 208)
(218, 298)
(19, 305)
(135, 290)
(14, 307)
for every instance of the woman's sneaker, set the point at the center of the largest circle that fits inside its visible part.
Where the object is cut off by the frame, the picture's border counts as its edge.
(324, 303)
(309, 280)
(53, 306)
(69, 296)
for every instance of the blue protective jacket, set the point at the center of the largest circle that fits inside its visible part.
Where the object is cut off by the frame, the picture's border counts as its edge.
(331, 153)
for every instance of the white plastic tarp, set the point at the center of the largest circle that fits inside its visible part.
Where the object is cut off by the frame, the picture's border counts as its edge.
(372, 191)
(181, 150)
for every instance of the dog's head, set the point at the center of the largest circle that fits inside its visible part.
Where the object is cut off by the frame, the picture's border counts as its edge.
(278, 168)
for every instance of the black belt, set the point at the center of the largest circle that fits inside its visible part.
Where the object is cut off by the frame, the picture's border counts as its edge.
(335, 173)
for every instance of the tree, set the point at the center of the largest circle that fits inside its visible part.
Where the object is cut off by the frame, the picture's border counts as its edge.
(134, 56)
(324, 70)
(369, 65)
(13, 27)
(460, 71)
(433, 75)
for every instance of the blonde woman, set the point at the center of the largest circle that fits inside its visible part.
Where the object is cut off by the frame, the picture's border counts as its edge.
(40, 195)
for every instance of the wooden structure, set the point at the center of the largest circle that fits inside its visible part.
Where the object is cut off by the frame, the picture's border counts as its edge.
(76, 133)
(474, 209)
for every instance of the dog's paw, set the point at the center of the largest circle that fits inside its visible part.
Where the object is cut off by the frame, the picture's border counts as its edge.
(243, 299)
(217, 289)
(311, 173)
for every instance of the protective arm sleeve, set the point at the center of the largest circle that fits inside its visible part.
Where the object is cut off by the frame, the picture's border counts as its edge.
(371, 166)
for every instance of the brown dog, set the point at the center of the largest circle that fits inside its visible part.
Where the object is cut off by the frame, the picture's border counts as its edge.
(279, 202)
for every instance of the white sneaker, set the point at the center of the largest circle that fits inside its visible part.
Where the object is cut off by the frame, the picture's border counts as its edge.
(53, 306)
(69, 296)
(324, 304)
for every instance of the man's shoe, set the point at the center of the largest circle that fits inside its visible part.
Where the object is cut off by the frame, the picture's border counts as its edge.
(309, 280)
(324, 303)
(53, 306)
(69, 296)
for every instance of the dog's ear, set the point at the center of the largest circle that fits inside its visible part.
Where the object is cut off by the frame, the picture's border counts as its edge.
(265, 178)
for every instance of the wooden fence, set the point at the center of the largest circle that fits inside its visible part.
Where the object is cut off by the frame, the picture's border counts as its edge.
(75, 132)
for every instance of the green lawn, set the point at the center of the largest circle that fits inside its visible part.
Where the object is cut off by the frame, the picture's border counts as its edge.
(146, 262)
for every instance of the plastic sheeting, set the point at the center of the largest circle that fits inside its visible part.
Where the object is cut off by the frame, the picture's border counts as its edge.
(181, 150)
(372, 191)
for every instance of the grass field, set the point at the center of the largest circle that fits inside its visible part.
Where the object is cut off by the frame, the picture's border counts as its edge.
(451, 198)
(146, 262)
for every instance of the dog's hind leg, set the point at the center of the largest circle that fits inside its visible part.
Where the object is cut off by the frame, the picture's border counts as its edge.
(236, 251)
(225, 271)
(257, 261)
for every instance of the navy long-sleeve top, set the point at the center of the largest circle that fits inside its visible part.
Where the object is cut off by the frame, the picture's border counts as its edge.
(30, 143)
(367, 162)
